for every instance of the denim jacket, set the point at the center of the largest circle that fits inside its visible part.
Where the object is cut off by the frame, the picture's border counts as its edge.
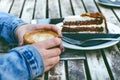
(20, 63)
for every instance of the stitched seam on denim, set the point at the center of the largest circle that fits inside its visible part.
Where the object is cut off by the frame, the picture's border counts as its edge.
(33, 71)
(21, 53)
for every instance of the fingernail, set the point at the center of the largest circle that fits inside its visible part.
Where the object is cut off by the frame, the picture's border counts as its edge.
(62, 48)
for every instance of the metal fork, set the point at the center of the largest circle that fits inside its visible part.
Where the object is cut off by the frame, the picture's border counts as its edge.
(76, 42)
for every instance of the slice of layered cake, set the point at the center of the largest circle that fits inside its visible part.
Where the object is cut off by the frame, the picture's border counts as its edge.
(85, 23)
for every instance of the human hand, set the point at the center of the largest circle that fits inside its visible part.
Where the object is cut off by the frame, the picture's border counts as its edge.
(20, 31)
(49, 51)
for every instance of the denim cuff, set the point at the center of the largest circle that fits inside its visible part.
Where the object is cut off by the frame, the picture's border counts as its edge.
(15, 24)
(33, 59)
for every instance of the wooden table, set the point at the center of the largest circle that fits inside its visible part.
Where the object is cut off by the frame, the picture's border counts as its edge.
(100, 64)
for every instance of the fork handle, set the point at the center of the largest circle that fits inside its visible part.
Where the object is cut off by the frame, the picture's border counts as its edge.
(113, 39)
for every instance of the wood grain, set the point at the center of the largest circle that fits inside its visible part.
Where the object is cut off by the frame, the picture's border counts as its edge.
(40, 9)
(76, 70)
(101, 64)
(17, 7)
(53, 8)
(27, 13)
(97, 67)
(5, 5)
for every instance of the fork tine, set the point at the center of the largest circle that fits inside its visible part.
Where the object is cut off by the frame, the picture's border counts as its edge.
(70, 39)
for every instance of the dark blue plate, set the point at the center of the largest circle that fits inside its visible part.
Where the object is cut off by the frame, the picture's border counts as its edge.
(86, 36)
(110, 3)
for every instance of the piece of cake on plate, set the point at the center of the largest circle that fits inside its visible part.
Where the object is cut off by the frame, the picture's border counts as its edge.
(85, 23)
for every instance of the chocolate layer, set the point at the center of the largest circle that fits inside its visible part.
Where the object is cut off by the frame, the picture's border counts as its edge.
(90, 22)
(82, 29)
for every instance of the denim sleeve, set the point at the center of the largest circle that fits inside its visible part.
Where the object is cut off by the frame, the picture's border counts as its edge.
(8, 24)
(21, 63)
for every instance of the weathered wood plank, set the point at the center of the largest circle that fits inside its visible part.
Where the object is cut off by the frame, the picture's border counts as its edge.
(76, 70)
(117, 11)
(40, 9)
(5, 5)
(109, 14)
(65, 8)
(58, 72)
(71, 54)
(16, 10)
(90, 6)
(112, 55)
(97, 67)
(53, 8)
(78, 7)
(27, 13)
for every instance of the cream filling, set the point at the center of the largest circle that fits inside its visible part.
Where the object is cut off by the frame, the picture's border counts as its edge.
(77, 18)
